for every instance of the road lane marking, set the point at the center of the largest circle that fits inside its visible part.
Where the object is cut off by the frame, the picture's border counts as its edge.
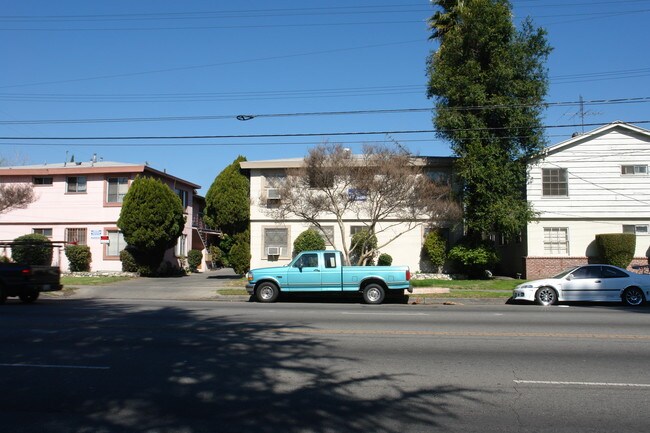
(78, 367)
(555, 382)
(470, 334)
(350, 313)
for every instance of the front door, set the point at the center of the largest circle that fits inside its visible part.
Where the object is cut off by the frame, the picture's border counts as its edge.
(304, 275)
(584, 284)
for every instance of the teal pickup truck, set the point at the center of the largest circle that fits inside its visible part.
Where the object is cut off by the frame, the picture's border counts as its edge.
(322, 271)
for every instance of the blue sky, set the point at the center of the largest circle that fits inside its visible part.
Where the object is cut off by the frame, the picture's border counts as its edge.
(152, 60)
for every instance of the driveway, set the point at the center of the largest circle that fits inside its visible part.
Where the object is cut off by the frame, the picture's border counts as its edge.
(199, 286)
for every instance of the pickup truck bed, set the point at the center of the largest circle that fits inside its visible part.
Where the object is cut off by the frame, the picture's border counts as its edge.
(27, 281)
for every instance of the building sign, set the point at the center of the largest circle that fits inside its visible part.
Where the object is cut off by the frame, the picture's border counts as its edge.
(96, 234)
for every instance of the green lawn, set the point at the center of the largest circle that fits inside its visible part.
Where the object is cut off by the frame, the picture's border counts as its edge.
(477, 285)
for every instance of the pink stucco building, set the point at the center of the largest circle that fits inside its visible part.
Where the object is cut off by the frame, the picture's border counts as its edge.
(80, 202)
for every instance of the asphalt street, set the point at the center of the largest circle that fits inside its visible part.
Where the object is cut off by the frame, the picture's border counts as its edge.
(91, 365)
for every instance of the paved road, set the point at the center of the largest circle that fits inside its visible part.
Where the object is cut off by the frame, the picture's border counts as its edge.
(184, 366)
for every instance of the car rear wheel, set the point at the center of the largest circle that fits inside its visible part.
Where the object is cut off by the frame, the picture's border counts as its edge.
(546, 296)
(267, 292)
(373, 294)
(633, 297)
(28, 298)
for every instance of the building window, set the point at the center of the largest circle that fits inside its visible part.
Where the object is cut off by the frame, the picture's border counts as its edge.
(116, 189)
(45, 232)
(76, 184)
(637, 229)
(276, 240)
(554, 182)
(116, 243)
(183, 195)
(42, 181)
(556, 241)
(634, 169)
(356, 229)
(75, 236)
(181, 246)
(325, 232)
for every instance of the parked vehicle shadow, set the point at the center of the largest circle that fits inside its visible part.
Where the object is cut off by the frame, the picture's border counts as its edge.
(172, 369)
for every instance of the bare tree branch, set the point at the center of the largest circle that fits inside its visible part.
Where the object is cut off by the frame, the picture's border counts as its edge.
(15, 196)
(382, 184)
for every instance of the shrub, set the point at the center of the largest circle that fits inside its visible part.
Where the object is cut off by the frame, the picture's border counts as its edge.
(218, 257)
(240, 257)
(79, 257)
(194, 258)
(308, 240)
(128, 262)
(474, 258)
(384, 260)
(616, 248)
(435, 249)
(364, 244)
(33, 249)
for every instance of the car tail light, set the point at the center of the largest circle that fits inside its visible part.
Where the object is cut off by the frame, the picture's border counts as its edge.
(408, 275)
(25, 272)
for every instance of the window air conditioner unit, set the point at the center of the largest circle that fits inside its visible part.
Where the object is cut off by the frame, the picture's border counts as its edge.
(273, 194)
(272, 251)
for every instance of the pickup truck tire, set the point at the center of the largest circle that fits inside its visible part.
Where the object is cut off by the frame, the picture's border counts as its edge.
(267, 292)
(373, 294)
(28, 298)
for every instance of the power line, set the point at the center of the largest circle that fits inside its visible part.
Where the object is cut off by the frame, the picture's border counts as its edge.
(210, 65)
(322, 113)
(302, 134)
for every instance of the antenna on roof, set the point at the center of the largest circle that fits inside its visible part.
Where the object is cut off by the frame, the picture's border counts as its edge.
(65, 161)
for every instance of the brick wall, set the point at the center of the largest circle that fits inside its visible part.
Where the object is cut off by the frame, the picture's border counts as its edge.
(544, 267)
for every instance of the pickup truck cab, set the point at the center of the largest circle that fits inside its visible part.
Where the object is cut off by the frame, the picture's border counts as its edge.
(27, 281)
(322, 271)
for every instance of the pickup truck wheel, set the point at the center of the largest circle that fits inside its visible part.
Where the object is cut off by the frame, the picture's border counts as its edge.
(373, 294)
(28, 298)
(267, 292)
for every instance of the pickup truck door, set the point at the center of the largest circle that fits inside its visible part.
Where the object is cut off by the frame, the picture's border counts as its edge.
(331, 275)
(304, 275)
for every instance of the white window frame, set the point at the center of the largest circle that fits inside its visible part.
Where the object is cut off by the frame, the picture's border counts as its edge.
(119, 193)
(43, 231)
(40, 181)
(76, 235)
(637, 229)
(180, 250)
(556, 241)
(115, 240)
(79, 187)
(321, 232)
(634, 170)
(554, 185)
(285, 250)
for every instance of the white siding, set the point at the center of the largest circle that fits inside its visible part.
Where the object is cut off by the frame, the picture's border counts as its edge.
(600, 198)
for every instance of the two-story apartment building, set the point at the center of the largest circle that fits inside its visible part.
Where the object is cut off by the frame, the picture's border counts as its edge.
(80, 203)
(593, 183)
(272, 240)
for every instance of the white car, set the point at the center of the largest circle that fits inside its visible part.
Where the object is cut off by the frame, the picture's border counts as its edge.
(604, 283)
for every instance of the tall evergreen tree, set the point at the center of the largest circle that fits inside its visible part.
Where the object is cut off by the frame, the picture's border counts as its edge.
(151, 220)
(489, 80)
(227, 201)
